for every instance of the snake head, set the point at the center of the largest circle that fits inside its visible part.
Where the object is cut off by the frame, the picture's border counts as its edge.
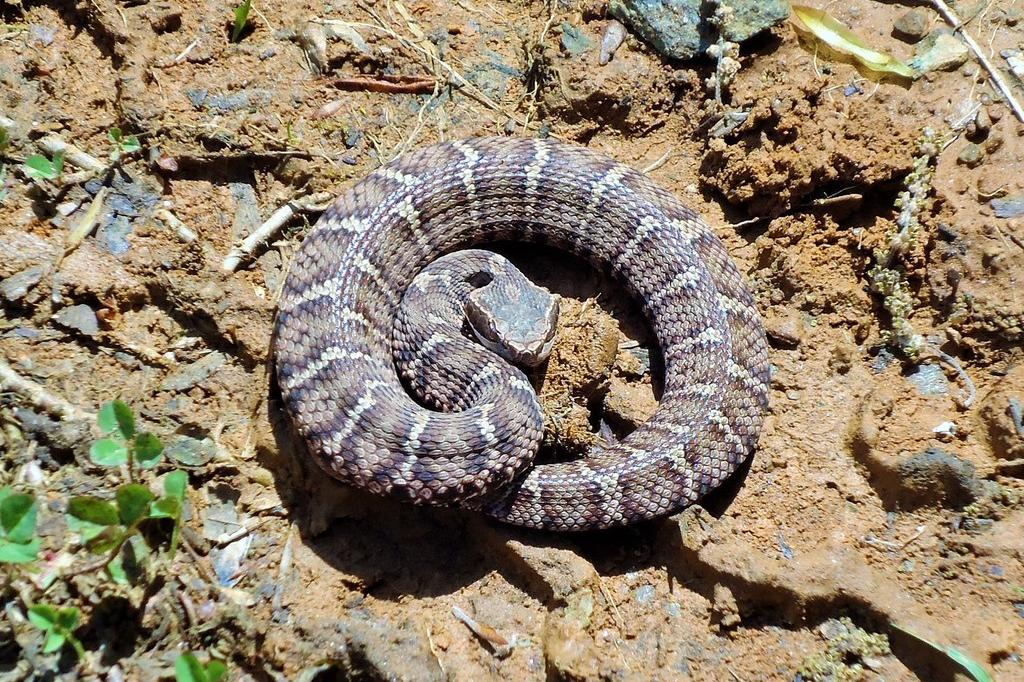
(514, 317)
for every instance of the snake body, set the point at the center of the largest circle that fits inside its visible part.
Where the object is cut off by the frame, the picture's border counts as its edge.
(340, 331)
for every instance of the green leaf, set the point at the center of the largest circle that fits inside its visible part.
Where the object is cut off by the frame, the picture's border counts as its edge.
(169, 508)
(38, 167)
(57, 623)
(148, 450)
(972, 667)
(123, 418)
(175, 484)
(165, 508)
(89, 516)
(114, 135)
(117, 572)
(18, 517)
(187, 668)
(43, 616)
(117, 418)
(106, 419)
(241, 19)
(68, 618)
(54, 641)
(133, 502)
(106, 540)
(18, 553)
(108, 452)
(130, 144)
(215, 670)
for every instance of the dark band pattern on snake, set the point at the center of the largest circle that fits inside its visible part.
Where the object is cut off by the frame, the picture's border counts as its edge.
(340, 340)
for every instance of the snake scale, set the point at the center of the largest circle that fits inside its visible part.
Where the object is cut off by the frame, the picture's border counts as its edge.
(343, 345)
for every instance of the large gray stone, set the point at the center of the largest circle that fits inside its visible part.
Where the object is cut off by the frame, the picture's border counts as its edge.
(753, 16)
(679, 29)
(672, 27)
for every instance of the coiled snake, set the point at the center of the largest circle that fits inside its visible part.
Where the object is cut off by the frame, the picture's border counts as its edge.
(344, 343)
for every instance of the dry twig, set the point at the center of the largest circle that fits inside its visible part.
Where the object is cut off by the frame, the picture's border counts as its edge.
(39, 396)
(271, 226)
(958, 27)
(417, 85)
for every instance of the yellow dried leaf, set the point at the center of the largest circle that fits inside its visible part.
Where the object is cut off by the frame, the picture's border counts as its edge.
(837, 36)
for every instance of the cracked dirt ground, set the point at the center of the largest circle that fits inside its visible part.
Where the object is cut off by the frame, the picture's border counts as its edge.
(860, 504)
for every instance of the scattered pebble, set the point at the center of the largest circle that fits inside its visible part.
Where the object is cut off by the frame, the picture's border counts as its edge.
(940, 51)
(235, 101)
(17, 286)
(644, 594)
(1011, 207)
(784, 547)
(188, 376)
(80, 318)
(971, 156)
(945, 431)
(611, 40)
(912, 25)
(724, 610)
(41, 36)
(574, 40)
(189, 451)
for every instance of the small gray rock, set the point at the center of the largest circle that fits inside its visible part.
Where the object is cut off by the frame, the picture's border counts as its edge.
(940, 51)
(1011, 207)
(17, 286)
(936, 476)
(574, 40)
(190, 451)
(64, 436)
(911, 26)
(971, 156)
(190, 375)
(644, 594)
(80, 318)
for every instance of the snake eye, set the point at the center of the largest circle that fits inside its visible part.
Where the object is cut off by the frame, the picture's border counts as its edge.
(479, 279)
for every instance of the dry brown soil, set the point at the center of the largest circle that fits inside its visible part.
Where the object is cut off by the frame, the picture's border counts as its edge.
(856, 504)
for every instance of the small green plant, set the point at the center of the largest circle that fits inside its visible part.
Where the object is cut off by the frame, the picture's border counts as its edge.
(122, 444)
(59, 625)
(18, 543)
(106, 527)
(38, 167)
(241, 20)
(187, 668)
(122, 144)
